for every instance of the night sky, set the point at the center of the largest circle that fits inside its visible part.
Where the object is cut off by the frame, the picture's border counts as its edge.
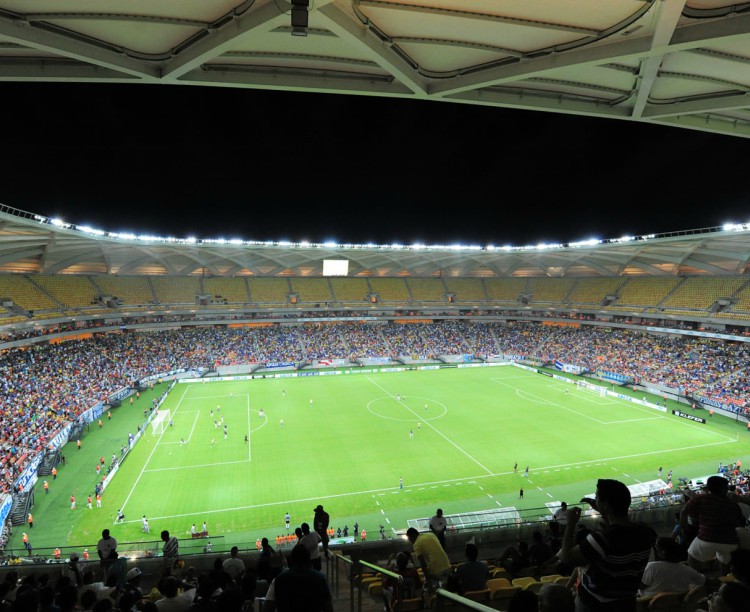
(259, 165)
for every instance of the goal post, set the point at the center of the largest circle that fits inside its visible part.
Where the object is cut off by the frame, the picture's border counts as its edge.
(586, 386)
(159, 422)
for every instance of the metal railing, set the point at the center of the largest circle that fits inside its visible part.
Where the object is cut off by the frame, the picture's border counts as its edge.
(356, 588)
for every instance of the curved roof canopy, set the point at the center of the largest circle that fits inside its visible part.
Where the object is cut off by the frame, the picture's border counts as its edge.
(32, 243)
(674, 62)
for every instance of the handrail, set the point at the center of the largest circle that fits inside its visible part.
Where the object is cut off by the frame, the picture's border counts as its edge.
(334, 559)
(456, 598)
(382, 570)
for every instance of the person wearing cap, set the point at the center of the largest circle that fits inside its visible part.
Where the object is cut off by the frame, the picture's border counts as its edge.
(320, 525)
(133, 584)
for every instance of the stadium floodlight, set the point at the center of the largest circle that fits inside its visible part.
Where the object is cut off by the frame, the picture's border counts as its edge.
(300, 17)
(90, 230)
(584, 243)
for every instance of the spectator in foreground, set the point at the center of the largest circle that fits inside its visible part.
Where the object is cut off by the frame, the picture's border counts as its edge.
(613, 557)
(321, 521)
(731, 597)
(311, 540)
(667, 572)
(472, 574)
(431, 557)
(408, 587)
(299, 588)
(716, 518)
(171, 550)
(174, 599)
(234, 566)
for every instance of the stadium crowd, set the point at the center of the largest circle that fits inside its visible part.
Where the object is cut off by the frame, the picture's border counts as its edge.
(607, 564)
(43, 387)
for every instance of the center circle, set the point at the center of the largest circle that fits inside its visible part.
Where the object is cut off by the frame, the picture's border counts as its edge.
(413, 404)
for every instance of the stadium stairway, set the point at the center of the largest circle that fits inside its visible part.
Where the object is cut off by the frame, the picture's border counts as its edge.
(49, 461)
(20, 508)
(76, 431)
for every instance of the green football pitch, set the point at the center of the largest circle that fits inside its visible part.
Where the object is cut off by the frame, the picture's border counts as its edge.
(348, 441)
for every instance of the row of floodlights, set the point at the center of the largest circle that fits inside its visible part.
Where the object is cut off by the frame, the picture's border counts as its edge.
(728, 227)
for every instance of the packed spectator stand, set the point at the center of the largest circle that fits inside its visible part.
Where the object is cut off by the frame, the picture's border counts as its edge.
(46, 385)
(43, 387)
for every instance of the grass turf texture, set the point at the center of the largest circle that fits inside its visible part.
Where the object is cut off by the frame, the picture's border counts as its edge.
(349, 449)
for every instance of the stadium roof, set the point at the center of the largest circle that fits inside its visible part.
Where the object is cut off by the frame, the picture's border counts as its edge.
(31, 243)
(670, 62)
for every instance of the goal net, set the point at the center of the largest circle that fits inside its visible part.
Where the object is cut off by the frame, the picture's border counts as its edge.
(159, 422)
(600, 391)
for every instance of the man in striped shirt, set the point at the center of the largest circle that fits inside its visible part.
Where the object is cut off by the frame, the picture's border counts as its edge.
(611, 560)
(171, 549)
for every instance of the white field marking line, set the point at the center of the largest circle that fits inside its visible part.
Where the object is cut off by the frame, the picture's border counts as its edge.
(193, 428)
(529, 397)
(249, 441)
(587, 396)
(207, 397)
(651, 418)
(546, 402)
(421, 486)
(151, 454)
(286, 502)
(192, 467)
(197, 414)
(435, 429)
